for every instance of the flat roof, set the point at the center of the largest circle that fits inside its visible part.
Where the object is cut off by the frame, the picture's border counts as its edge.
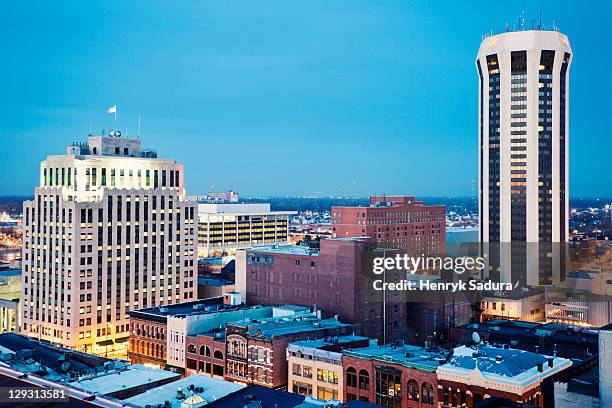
(180, 308)
(519, 365)
(317, 343)
(49, 356)
(133, 376)
(212, 390)
(10, 272)
(406, 355)
(267, 397)
(286, 249)
(279, 326)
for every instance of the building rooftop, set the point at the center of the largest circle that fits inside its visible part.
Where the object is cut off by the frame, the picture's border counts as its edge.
(327, 341)
(548, 338)
(406, 355)
(199, 306)
(132, 376)
(517, 294)
(10, 272)
(286, 249)
(28, 355)
(255, 396)
(279, 326)
(300, 249)
(497, 363)
(197, 389)
(239, 209)
(210, 280)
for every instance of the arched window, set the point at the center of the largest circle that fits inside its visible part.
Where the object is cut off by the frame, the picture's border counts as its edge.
(427, 396)
(364, 380)
(191, 348)
(203, 350)
(218, 354)
(413, 390)
(351, 377)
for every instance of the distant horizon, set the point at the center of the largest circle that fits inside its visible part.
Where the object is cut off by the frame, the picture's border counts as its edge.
(306, 196)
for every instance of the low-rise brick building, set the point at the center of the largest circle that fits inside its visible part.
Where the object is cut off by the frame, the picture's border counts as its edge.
(394, 375)
(256, 350)
(315, 366)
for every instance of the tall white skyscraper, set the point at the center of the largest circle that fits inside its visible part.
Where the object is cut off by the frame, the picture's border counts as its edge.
(108, 231)
(523, 139)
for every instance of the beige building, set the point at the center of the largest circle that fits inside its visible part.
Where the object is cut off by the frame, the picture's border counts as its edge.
(315, 366)
(224, 228)
(10, 300)
(108, 231)
(525, 305)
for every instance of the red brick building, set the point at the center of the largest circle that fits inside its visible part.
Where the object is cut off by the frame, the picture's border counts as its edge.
(396, 222)
(336, 278)
(205, 353)
(147, 341)
(399, 376)
(256, 351)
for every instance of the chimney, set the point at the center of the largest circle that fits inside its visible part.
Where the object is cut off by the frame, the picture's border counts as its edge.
(550, 361)
(540, 367)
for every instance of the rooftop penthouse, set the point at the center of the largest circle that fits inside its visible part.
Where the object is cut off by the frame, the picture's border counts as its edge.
(420, 358)
(110, 145)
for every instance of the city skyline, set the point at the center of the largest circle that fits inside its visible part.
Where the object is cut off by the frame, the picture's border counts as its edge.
(216, 78)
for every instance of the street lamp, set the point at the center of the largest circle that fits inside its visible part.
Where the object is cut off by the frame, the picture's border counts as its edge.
(384, 304)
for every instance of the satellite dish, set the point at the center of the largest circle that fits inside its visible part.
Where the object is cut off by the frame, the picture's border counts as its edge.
(476, 337)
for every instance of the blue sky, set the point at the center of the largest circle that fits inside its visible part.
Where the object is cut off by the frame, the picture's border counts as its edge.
(284, 97)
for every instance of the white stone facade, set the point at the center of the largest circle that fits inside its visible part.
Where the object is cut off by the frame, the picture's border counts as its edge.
(108, 231)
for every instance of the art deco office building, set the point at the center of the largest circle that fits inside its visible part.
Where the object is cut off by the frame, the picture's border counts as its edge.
(523, 137)
(108, 231)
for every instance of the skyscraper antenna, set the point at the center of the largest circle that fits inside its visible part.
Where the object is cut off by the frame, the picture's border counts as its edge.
(540, 24)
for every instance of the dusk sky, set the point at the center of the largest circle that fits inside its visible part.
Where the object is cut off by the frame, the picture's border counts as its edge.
(285, 97)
